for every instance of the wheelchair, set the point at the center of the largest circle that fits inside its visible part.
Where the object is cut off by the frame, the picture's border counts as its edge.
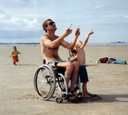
(48, 78)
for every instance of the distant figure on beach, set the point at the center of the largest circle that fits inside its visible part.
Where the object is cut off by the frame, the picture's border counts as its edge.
(78, 54)
(14, 55)
(50, 44)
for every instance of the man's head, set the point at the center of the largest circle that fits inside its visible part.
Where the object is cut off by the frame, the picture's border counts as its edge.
(49, 24)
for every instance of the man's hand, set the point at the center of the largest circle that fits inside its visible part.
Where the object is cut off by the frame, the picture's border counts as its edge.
(77, 33)
(67, 32)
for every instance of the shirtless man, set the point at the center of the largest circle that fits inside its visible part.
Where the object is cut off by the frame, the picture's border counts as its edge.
(50, 44)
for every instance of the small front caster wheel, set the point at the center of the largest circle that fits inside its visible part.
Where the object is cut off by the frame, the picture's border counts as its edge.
(59, 99)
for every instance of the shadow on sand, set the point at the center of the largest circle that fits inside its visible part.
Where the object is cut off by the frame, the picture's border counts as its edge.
(108, 98)
(27, 65)
(104, 99)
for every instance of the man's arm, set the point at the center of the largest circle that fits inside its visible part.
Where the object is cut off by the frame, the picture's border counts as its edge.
(72, 44)
(52, 44)
(86, 40)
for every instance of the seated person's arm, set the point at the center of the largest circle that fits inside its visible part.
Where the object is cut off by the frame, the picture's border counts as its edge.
(72, 44)
(49, 43)
(57, 40)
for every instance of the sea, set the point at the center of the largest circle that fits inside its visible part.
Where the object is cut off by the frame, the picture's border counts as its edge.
(19, 44)
(89, 44)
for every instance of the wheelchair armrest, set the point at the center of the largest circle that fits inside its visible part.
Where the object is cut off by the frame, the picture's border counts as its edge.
(53, 64)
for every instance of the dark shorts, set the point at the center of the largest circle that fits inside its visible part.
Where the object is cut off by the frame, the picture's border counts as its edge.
(83, 73)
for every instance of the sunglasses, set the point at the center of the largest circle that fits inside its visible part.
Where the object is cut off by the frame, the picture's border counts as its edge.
(51, 23)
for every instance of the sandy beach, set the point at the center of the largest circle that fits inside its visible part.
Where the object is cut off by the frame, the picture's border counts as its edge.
(110, 81)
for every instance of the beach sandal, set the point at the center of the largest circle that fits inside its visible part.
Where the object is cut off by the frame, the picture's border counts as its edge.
(72, 98)
(79, 96)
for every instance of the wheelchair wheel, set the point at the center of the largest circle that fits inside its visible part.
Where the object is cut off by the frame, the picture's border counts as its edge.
(59, 99)
(45, 82)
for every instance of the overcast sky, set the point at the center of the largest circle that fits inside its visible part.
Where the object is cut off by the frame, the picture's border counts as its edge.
(21, 20)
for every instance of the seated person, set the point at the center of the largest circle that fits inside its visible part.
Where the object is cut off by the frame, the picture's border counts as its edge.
(50, 43)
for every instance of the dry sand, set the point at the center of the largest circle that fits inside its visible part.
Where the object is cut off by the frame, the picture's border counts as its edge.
(110, 81)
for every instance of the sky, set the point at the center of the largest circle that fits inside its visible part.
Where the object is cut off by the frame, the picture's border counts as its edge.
(21, 20)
